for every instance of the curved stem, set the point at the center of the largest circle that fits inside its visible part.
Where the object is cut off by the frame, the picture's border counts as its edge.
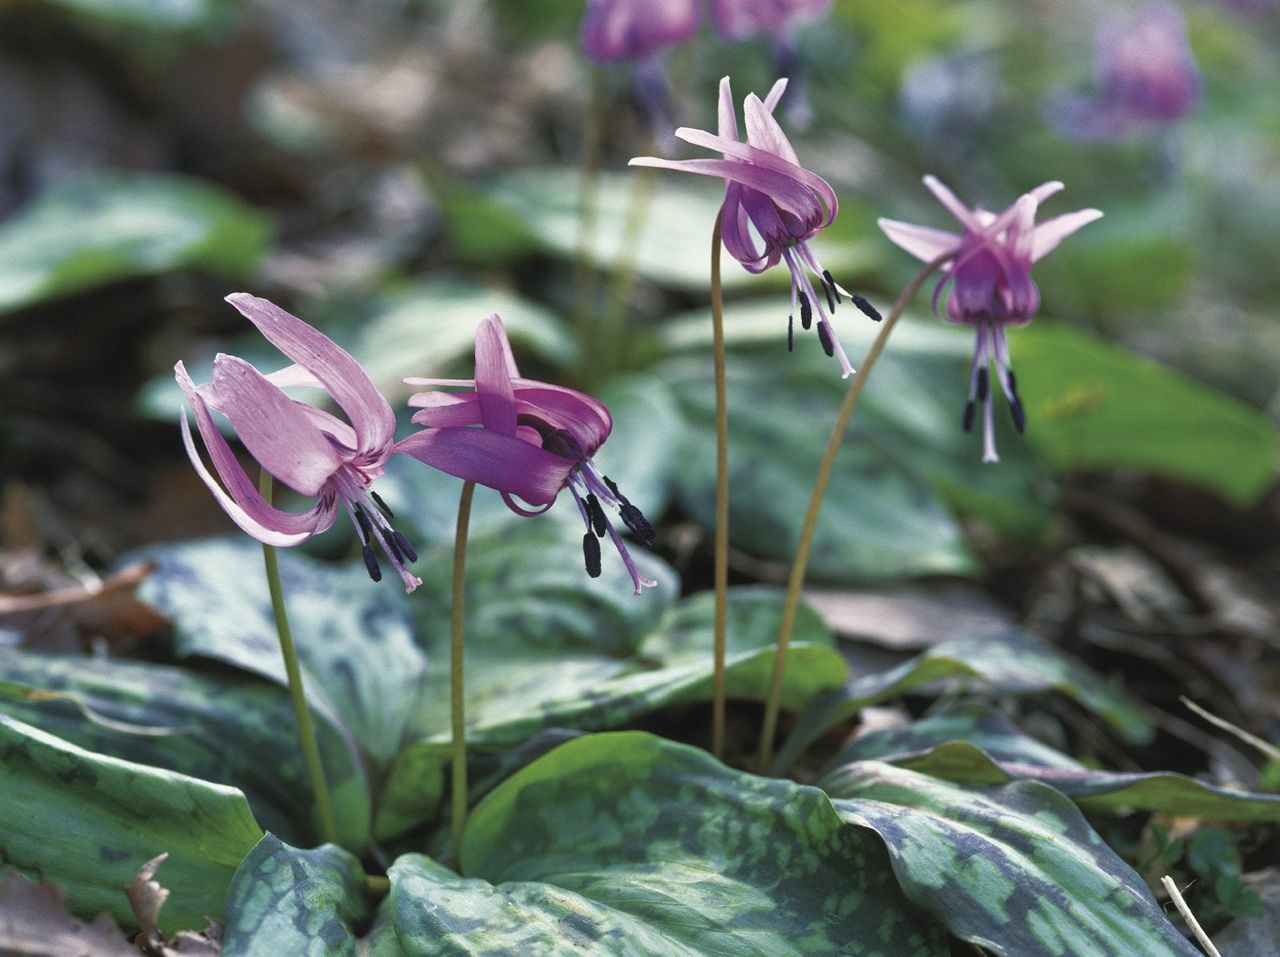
(795, 580)
(457, 699)
(584, 285)
(722, 500)
(297, 694)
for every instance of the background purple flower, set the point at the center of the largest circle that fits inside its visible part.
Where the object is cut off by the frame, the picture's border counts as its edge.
(312, 451)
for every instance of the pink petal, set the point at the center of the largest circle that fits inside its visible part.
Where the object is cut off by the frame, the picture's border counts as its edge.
(241, 499)
(446, 409)
(493, 377)
(779, 187)
(583, 416)
(923, 242)
(1053, 231)
(949, 199)
(726, 116)
(273, 427)
(764, 132)
(498, 461)
(775, 94)
(350, 386)
(413, 380)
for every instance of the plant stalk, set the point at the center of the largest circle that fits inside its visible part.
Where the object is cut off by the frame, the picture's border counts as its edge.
(457, 698)
(795, 581)
(722, 500)
(297, 694)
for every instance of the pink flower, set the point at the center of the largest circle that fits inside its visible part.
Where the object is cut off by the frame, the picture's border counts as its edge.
(630, 30)
(772, 206)
(315, 453)
(990, 282)
(527, 439)
(739, 19)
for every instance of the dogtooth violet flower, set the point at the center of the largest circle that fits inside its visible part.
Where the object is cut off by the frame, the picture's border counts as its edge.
(637, 32)
(528, 440)
(1145, 73)
(772, 207)
(778, 20)
(312, 451)
(989, 275)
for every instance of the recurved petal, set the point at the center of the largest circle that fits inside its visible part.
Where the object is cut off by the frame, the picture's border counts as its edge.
(764, 132)
(782, 188)
(775, 94)
(727, 118)
(923, 242)
(1053, 231)
(584, 417)
(498, 461)
(446, 409)
(350, 386)
(493, 377)
(273, 427)
(949, 199)
(735, 230)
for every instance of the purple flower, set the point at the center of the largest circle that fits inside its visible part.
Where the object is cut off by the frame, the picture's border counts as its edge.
(1145, 74)
(616, 31)
(772, 206)
(312, 451)
(739, 19)
(990, 282)
(528, 440)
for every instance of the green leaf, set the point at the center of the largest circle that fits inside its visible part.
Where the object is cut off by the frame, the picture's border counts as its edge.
(626, 844)
(225, 727)
(1015, 869)
(157, 16)
(970, 743)
(1012, 663)
(289, 901)
(117, 226)
(674, 245)
(1091, 405)
(89, 822)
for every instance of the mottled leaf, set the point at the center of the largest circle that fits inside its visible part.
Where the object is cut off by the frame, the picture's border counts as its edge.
(969, 743)
(1012, 663)
(89, 822)
(1015, 869)
(289, 901)
(627, 844)
(222, 726)
(95, 231)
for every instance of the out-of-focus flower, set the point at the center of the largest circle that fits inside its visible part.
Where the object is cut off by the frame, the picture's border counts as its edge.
(310, 450)
(637, 32)
(528, 440)
(778, 20)
(989, 275)
(771, 199)
(1145, 74)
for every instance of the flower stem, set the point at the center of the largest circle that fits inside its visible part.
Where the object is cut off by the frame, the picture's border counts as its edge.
(297, 694)
(584, 285)
(456, 696)
(722, 501)
(795, 580)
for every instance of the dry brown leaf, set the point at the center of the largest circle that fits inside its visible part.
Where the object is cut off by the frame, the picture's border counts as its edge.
(146, 897)
(911, 617)
(34, 923)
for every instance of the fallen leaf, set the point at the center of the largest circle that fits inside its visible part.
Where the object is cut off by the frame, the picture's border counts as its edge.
(34, 923)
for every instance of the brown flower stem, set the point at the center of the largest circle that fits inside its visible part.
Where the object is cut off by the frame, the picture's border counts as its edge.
(795, 580)
(722, 501)
(457, 699)
(297, 694)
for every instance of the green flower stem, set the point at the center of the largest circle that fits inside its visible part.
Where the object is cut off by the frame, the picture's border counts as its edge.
(722, 500)
(613, 323)
(795, 580)
(584, 285)
(457, 698)
(297, 694)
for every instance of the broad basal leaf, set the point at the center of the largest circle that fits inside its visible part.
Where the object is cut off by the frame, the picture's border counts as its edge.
(89, 822)
(626, 844)
(1015, 869)
(99, 230)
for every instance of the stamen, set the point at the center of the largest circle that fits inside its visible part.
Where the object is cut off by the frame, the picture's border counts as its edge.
(806, 312)
(827, 283)
(371, 563)
(409, 551)
(830, 281)
(393, 549)
(596, 514)
(791, 333)
(1019, 415)
(382, 506)
(364, 526)
(969, 410)
(612, 486)
(825, 338)
(1013, 383)
(868, 310)
(591, 552)
(634, 519)
(984, 384)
